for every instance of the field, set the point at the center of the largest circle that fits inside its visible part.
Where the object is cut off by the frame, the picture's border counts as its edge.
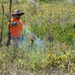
(54, 24)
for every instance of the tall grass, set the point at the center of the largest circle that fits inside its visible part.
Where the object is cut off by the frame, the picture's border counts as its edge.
(53, 24)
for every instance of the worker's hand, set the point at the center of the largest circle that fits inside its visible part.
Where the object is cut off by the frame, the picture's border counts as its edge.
(23, 37)
(14, 23)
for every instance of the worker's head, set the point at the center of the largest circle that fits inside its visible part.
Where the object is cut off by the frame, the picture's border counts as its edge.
(17, 14)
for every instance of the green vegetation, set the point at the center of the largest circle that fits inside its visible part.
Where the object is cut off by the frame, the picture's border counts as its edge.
(53, 23)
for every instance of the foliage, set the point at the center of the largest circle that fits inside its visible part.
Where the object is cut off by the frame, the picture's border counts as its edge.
(46, 21)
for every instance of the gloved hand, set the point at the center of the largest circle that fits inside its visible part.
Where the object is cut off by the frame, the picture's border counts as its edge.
(23, 37)
(14, 23)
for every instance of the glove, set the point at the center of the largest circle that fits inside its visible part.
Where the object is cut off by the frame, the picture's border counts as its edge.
(23, 37)
(14, 23)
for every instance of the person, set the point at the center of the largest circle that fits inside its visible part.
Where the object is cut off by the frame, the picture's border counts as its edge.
(16, 27)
